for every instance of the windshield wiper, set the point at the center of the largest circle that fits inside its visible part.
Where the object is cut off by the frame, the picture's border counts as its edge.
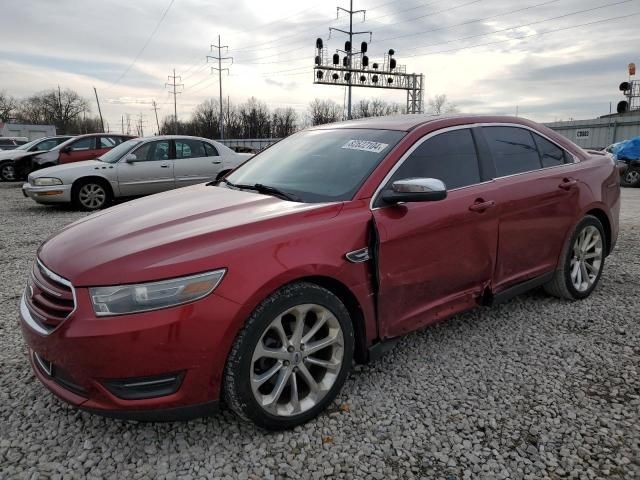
(260, 188)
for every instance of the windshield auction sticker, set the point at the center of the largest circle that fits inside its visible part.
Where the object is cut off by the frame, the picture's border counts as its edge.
(365, 146)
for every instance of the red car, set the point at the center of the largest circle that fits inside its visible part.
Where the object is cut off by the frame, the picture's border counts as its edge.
(322, 249)
(76, 149)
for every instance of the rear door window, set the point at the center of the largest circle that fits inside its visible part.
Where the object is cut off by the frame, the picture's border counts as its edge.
(450, 157)
(189, 149)
(550, 154)
(513, 150)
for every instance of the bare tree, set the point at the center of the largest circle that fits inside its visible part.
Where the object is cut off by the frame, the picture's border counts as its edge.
(206, 119)
(439, 105)
(61, 108)
(376, 108)
(255, 119)
(323, 111)
(283, 122)
(8, 106)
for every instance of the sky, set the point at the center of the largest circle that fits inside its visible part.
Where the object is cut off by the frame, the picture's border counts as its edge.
(546, 59)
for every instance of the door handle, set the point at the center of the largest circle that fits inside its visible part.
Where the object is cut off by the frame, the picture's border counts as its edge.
(480, 205)
(216, 162)
(568, 184)
(164, 165)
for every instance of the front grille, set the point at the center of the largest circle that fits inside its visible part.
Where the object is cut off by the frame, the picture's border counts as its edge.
(49, 298)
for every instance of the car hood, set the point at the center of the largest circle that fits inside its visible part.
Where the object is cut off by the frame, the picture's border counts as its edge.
(176, 233)
(11, 154)
(69, 170)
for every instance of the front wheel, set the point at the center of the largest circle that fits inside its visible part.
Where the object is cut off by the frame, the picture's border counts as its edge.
(91, 195)
(582, 262)
(7, 172)
(291, 358)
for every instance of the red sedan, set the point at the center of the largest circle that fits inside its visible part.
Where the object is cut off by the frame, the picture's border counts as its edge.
(323, 249)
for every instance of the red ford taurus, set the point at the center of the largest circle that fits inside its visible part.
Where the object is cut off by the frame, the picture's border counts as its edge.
(262, 290)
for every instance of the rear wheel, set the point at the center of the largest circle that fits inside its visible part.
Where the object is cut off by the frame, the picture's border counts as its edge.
(582, 262)
(631, 177)
(91, 194)
(291, 358)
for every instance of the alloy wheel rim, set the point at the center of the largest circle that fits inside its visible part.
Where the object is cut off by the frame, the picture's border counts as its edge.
(297, 360)
(8, 172)
(92, 195)
(587, 258)
(633, 176)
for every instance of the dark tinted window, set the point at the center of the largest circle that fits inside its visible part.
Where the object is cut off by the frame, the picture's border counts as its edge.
(513, 150)
(6, 142)
(210, 149)
(450, 157)
(189, 149)
(550, 153)
(152, 151)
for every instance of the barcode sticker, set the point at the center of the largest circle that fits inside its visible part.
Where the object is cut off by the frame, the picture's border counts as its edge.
(365, 146)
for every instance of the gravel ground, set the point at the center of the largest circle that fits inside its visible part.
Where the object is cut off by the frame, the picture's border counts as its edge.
(535, 388)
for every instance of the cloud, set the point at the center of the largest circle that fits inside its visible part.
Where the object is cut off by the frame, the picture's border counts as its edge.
(86, 43)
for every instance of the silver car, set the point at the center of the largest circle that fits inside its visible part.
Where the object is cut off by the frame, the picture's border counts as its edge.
(137, 167)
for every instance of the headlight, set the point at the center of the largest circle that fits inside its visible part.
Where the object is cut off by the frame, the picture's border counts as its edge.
(46, 181)
(142, 297)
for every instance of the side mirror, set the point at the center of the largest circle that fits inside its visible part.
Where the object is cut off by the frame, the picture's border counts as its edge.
(66, 149)
(415, 190)
(130, 158)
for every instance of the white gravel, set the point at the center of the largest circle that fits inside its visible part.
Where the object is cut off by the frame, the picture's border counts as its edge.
(536, 388)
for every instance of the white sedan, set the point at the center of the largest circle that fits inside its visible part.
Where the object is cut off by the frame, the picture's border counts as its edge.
(137, 167)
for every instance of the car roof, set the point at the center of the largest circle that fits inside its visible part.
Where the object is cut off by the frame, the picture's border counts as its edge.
(406, 123)
(174, 137)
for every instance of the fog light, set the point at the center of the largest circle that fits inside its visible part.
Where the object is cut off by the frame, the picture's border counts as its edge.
(145, 387)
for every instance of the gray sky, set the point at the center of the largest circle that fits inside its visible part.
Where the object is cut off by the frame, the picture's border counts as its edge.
(487, 56)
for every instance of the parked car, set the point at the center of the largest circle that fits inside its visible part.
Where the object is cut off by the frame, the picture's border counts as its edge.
(134, 168)
(321, 249)
(9, 143)
(7, 172)
(76, 149)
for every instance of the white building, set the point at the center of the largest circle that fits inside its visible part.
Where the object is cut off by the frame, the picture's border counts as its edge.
(32, 132)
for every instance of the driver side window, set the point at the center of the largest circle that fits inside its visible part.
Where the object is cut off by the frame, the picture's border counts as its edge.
(83, 144)
(152, 151)
(450, 157)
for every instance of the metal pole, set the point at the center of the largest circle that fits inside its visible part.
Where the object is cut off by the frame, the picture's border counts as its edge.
(155, 109)
(350, 54)
(175, 104)
(220, 82)
(99, 111)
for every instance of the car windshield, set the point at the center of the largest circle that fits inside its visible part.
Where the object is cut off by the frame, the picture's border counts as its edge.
(116, 153)
(27, 146)
(318, 165)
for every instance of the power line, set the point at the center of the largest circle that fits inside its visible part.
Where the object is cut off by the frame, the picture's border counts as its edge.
(146, 44)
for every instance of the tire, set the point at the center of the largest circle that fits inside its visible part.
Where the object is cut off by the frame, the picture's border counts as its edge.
(568, 281)
(631, 177)
(7, 172)
(91, 194)
(289, 372)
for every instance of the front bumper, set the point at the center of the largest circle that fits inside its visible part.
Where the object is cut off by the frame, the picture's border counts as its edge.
(47, 195)
(87, 355)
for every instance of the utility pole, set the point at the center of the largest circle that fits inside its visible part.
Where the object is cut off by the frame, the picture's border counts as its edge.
(349, 46)
(155, 109)
(175, 85)
(219, 68)
(99, 111)
(140, 124)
